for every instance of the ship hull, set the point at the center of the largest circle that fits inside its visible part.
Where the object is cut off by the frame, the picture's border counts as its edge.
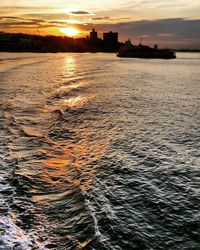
(151, 54)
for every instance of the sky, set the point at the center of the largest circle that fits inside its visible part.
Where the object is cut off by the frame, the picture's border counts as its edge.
(169, 23)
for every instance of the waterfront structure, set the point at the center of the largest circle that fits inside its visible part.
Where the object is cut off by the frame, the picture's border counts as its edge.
(143, 51)
(93, 35)
(110, 38)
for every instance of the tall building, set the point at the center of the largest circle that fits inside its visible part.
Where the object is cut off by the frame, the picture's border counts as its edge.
(93, 35)
(110, 38)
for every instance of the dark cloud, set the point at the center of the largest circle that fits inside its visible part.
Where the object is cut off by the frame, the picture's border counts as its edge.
(10, 17)
(19, 24)
(7, 22)
(48, 17)
(174, 32)
(20, 18)
(55, 22)
(101, 18)
(80, 13)
(111, 19)
(179, 27)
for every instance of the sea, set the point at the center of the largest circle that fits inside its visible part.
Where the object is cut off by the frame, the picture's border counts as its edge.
(99, 152)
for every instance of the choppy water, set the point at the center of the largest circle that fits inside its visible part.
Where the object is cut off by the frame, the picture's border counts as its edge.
(99, 152)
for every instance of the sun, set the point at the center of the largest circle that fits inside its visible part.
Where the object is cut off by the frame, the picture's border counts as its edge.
(69, 31)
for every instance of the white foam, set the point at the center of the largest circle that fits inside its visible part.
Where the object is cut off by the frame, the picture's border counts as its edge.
(13, 235)
(92, 213)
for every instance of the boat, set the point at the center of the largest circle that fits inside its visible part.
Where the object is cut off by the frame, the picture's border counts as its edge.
(143, 51)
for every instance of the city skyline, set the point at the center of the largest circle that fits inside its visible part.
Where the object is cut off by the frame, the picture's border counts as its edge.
(170, 23)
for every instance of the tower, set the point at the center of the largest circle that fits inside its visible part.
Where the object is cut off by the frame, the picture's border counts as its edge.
(93, 35)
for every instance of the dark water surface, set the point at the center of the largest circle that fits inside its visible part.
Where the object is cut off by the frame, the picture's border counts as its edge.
(98, 152)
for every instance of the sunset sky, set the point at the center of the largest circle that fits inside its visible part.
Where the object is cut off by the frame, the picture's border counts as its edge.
(173, 23)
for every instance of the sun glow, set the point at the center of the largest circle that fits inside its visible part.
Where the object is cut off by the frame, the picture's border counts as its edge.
(71, 21)
(69, 31)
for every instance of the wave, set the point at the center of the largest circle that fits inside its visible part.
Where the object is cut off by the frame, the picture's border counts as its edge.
(13, 236)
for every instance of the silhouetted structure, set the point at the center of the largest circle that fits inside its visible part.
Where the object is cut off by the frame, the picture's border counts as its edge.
(143, 51)
(110, 41)
(35, 43)
(110, 38)
(93, 35)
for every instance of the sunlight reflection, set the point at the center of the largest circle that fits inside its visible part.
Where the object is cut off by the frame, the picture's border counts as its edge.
(77, 101)
(69, 60)
(69, 66)
(72, 167)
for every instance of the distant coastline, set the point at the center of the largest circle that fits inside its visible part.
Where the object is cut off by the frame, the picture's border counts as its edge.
(18, 42)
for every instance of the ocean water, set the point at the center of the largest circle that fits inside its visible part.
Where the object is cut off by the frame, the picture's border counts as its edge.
(99, 152)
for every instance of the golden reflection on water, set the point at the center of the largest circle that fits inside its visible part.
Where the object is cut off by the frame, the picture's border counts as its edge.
(73, 86)
(77, 101)
(70, 102)
(69, 164)
(68, 94)
(69, 66)
(70, 167)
